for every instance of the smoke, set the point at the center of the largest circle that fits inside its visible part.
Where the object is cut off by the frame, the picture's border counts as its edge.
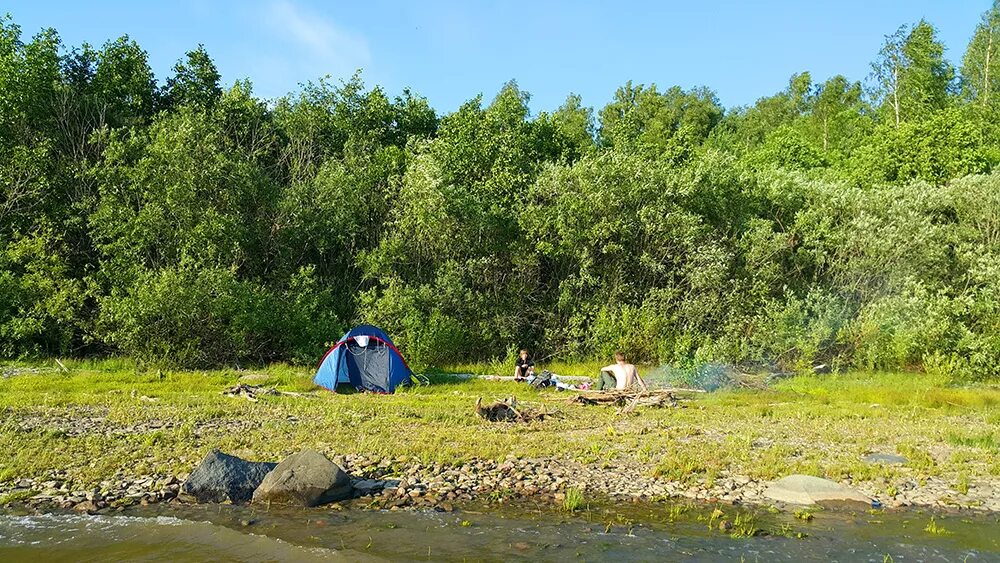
(710, 376)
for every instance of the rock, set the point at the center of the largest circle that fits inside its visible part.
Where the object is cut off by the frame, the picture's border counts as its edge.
(806, 489)
(224, 478)
(521, 546)
(306, 478)
(87, 507)
(888, 459)
(367, 486)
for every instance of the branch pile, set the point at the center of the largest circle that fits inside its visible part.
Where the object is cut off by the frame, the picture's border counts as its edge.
(252, 392)
(627, 400)
(509, 410)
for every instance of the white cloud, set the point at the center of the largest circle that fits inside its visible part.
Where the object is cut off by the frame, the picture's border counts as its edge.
(327, 43)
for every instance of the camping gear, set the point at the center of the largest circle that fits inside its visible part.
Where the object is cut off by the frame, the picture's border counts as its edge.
(366, 359)
(543, 379)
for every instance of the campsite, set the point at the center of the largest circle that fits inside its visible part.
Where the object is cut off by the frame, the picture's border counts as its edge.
(489, 281)
(102, 438)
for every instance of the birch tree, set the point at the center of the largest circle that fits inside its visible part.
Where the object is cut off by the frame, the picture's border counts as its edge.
(981, 64)
(911, 77)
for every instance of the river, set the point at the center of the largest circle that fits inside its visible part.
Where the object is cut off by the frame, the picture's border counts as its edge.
(620, 533)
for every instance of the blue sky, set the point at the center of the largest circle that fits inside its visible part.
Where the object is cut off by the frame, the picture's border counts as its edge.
(450, 50)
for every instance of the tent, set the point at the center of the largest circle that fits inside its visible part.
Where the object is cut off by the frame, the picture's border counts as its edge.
(365, 358)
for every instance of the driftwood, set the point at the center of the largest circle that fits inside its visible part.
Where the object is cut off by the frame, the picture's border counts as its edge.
(628, 400)
(509, 410)
(251, 392)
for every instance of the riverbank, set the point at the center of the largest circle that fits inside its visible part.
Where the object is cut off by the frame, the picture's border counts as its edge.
(105, 437)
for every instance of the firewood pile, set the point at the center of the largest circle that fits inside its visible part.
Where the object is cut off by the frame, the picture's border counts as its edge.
(510, 410)
(628, 400)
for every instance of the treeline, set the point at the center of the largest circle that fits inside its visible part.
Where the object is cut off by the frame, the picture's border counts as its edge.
(180, 222)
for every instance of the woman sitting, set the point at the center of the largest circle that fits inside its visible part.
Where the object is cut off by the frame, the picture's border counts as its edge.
(523, 366)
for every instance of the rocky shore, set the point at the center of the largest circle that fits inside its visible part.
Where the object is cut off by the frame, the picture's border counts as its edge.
(395, 484)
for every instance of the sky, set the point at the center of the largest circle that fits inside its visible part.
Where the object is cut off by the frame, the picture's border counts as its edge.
(451, 51)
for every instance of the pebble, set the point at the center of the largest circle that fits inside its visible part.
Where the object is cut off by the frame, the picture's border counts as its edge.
(404, 483)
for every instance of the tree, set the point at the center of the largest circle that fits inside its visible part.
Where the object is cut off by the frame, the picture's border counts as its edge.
(575, 125)
(837, 115)
(912, 78)
(981, 64)
(195, 81)
(641, 118)
(745, 129)
(123, 83)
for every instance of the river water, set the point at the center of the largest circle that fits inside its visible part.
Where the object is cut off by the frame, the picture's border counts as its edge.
(621, 533)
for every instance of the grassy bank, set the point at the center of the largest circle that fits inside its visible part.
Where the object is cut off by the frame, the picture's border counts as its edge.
(99, 419)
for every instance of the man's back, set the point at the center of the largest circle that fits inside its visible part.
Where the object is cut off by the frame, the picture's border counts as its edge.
(625, 374)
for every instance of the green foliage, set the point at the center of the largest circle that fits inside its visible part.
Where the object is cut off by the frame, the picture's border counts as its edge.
(786, 148)
(936, 529)
(946, 145)
(574, 500)
(981, 64)
(197, 226)
(195, 82)
(41, 303)
(912, 77)
(670, 124)
(187, 316)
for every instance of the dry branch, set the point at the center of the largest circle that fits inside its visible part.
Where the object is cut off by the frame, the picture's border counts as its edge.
(627, 400)
(251, 392)
(509, 410)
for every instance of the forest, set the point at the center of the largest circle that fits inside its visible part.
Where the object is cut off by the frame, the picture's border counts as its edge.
(178, 222)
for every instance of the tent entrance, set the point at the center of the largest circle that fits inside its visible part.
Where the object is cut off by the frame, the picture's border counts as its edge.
(369, 363)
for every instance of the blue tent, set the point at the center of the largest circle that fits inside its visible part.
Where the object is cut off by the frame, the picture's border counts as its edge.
(365, 358)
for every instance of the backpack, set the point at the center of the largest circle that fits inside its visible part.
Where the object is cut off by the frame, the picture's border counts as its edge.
(542, 380)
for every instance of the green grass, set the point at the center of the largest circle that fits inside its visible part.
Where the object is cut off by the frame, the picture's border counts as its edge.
(986, 441)
(19, 496)
(817, 425)
(574, 500)
(936, 529)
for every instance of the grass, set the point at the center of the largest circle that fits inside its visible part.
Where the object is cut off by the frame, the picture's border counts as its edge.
(574, 500)
(11, 498)
(807, 424)
(936, 529)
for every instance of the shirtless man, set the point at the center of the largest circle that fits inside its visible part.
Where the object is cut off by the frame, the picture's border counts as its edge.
(620, 375)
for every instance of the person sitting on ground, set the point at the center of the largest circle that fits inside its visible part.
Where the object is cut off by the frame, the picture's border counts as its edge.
(619, 375)
(523, 367)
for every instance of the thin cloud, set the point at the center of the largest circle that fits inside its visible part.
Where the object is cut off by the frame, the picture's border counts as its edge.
(326, 42)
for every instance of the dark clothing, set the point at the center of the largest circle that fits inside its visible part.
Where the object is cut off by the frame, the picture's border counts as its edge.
(523, 366)
(606, 382)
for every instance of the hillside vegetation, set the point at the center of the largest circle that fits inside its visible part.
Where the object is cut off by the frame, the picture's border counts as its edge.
(179, 222)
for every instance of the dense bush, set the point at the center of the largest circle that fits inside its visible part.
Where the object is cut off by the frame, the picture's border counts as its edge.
(196, 225)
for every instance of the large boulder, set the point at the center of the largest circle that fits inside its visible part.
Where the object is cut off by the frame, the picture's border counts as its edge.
(224, 478)
(306, 478)
(806, 489)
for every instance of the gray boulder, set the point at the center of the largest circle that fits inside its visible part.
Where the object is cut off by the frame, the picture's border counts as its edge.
(306, 478)
(806, 489)
(224, 478)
